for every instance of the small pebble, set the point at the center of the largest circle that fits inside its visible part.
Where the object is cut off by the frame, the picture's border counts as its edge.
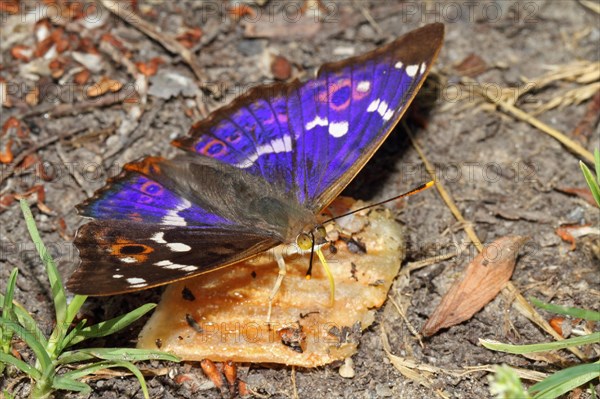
(383, 391)
(347, 369)
(281, 68)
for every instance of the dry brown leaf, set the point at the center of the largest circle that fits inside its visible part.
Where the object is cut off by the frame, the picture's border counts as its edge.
(585, 128)
(483, 279)
(583, 193)
(472, 65)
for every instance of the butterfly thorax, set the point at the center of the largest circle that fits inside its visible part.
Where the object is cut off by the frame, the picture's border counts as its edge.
(286, 217)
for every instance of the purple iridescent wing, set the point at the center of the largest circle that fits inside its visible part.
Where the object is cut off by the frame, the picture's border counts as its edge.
(253, 134)
(312, 138)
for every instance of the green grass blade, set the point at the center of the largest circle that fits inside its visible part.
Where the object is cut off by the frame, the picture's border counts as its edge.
(113, 325)
(565, 380)
(135, 371)
(591, 181)
(30, 340)
(573, 312)
(71, 336)
(73, 307)
(7, 310)
(21, 365)
(548, 346)
(92, 368)
(73, 357)
(25, 320)
(58, 291)
(116, 354)
(68, 384)
(597, 164)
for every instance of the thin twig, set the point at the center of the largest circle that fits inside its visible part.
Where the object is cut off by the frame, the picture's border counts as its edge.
(590, 5)
(412, 266)
(365, 12)
(572, 145)
(168, 42)
(19, 158)
(410, 327)
(141, 81)
(79, 179)
(53, 110)
(294, 386)
(468, 227)
(139, 130)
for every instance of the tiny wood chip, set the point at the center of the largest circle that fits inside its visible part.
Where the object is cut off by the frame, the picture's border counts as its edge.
(228, 307)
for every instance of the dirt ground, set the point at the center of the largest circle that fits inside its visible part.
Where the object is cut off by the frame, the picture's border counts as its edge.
(506, 176)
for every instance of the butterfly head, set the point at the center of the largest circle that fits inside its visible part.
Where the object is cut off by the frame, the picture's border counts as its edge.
(314, 237)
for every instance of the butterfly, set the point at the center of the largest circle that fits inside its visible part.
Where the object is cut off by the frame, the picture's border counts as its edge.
(255, 173)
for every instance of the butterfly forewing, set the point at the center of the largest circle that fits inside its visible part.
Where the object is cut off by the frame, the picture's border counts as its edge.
(252, 133)
(324, 130)
(261, 168)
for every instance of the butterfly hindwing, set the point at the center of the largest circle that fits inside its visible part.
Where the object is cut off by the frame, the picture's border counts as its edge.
(121, 256)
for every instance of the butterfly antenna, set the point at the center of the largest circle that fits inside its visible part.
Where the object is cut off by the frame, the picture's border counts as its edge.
(422, 187)
(312, 255)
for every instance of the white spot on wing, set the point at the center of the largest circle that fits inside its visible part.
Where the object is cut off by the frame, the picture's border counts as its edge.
(373, 106)
(423, 67)
(318, 121)
(158, 237)
(381, 110)
(167, 264)
(399, 65)
(137, 282)
(178, 247)
(163, 263)
(338, 129)
(412, 70)
(283, 144)
(388, 115)
(363, 86)
(141, 285)
(117, 276)
(128, 259)
(172, 218)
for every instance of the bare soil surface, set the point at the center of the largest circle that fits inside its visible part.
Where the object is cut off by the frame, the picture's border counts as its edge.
(506, 176)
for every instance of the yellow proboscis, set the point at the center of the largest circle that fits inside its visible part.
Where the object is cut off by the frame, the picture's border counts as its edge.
(329, 275)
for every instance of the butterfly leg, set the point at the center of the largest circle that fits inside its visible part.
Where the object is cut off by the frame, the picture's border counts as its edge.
(280, 276)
